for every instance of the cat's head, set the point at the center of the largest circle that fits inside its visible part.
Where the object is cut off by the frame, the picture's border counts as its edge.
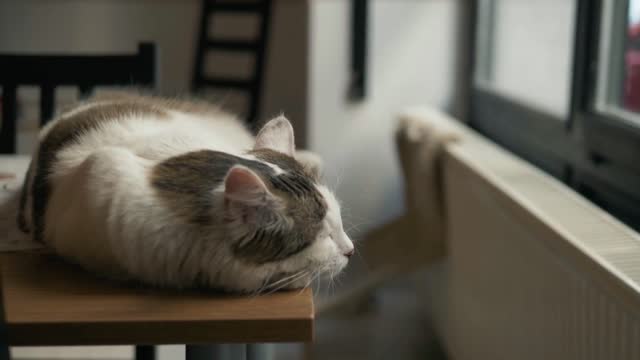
(282, 223)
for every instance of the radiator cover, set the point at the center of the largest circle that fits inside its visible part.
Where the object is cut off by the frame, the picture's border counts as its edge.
(534, 271)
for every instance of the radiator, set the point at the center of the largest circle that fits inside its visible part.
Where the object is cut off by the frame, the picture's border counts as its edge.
(534, 271)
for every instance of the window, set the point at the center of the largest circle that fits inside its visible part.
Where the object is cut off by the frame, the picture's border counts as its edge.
(618, 90)
(558, 83)
(525, 51)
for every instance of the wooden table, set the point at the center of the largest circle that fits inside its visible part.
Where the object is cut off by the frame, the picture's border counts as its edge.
(47, 301)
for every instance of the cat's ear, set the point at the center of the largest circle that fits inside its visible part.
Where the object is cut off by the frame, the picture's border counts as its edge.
(243, 185)
(247, 199)
(276, 135)
(311, 162)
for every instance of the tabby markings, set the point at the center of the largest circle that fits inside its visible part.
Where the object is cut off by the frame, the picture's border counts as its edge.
(186, 183)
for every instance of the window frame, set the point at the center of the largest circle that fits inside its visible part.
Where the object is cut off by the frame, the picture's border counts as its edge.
(609, 138)
(592, 151)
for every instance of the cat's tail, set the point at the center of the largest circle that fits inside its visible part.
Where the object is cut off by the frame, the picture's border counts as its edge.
(11, 237)
(9, 203)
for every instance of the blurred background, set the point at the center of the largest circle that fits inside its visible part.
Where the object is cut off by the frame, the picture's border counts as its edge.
(523, 73)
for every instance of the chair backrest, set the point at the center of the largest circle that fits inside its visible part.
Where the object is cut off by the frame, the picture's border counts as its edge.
(49, 71)
(251, 85)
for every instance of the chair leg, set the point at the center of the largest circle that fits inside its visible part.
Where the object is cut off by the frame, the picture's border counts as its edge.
(260, 351)
(5, 354)
(145, 352)
(4, 336)
(216, 352)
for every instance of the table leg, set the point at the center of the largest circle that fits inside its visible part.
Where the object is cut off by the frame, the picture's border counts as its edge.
(5, 354)
(216, 352)
(145, 352)
(260, 351)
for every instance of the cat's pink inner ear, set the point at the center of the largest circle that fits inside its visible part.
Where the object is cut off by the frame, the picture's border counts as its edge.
(276, 135)
(242, 184)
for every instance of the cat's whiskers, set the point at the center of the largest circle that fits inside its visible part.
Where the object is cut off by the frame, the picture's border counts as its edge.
(355, 221)
(336, 280)
(316, 288)
(299, 276)
(330, 283)
(262, 287)
(285, 278)
(314, 274)
(353, 227)
(338, 181)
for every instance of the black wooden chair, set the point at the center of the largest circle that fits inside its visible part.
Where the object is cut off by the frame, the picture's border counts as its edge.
(84, 71)
(50, 71)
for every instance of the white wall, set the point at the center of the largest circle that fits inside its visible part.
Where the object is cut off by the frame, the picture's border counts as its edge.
(411, 61)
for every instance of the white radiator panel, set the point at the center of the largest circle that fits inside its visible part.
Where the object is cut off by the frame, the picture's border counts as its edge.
(535, 271)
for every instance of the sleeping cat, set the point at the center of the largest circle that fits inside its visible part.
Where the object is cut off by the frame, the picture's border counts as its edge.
(179, 194)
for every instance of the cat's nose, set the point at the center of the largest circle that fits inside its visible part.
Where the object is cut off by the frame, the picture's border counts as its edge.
(350, 252)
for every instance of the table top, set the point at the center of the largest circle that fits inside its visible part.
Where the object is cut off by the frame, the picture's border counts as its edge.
(50, 302)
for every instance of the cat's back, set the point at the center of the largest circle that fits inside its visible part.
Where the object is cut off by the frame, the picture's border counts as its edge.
(137, 131)
(151, 128)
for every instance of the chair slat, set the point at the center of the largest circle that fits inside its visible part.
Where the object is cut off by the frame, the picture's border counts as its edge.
(85, 91)
(8, 125)
(47, 101)
(257, 48)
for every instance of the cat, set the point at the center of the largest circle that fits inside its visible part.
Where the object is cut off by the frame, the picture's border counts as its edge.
(178, 193)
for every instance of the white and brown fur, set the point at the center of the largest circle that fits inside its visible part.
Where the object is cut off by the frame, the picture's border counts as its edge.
(180, 194)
